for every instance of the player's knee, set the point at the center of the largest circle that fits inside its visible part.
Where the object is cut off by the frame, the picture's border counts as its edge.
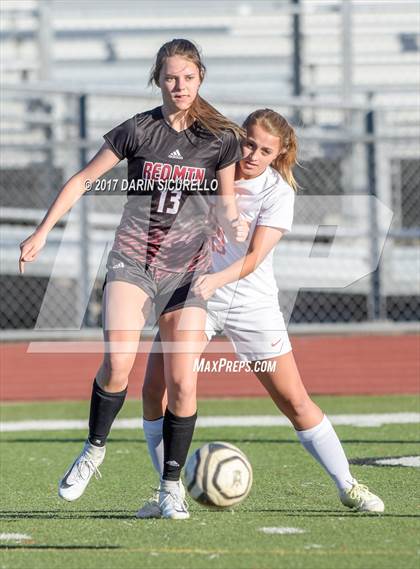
(180, 390)
(300, 406)
(116, 369)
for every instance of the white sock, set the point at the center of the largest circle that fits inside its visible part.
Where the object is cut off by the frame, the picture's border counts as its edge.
(169, 486)
(154, 438)
(94, 451)
(323, 444)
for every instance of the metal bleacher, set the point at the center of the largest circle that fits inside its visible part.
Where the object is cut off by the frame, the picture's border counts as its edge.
(105, 50)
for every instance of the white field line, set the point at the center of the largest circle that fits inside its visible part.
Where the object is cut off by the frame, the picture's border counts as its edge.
(282, 531)
(362, 420)
(14, 537)
(402, 461)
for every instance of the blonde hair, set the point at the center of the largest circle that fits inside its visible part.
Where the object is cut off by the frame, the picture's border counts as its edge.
(277, 125)
(200, 110)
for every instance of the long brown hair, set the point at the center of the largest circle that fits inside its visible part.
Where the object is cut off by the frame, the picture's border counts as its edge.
(277, 125)
(200, 110)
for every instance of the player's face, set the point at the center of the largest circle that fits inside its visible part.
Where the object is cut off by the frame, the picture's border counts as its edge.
(259, 149)
(179, 81)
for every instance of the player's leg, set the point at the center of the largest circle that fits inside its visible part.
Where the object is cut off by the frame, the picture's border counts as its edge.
(182, 346)
(286, 389)
(247, 328)
(154, 401)
(125, 308)
(154, 404)
(314, 430)
(154, 397)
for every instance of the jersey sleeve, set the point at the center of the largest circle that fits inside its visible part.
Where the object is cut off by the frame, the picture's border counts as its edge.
(277, 208)
(122, 138)
(230, 151)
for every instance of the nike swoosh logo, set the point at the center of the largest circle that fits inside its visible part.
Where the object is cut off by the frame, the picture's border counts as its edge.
(64, 482)
(275, 343)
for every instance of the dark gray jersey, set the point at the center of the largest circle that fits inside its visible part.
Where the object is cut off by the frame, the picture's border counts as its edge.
(172, 186)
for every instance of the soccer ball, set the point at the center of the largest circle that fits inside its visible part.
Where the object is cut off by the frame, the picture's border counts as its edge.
(218, 474)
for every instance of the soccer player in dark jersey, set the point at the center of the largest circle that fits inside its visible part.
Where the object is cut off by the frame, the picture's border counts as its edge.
(181, 161)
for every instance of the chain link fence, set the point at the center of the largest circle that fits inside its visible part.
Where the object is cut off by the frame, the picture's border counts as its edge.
(327, 269)
(349, 258)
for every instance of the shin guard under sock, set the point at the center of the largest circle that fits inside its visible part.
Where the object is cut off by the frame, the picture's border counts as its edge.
(104, 407)
(177, 436)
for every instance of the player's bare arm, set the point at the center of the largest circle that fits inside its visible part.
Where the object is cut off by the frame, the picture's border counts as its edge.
(227, 213)
(264, 239)
(72, 190)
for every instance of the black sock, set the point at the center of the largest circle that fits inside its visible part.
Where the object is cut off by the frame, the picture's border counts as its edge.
(177, 436)
(104, 407)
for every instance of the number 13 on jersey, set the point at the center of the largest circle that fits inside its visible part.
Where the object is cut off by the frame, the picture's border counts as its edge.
(174, 200)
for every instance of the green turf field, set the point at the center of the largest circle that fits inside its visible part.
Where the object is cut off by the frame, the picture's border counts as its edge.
(290, 490)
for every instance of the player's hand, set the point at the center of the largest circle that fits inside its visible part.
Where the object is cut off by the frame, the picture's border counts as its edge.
(30, 248)
(241, 229)
(205, 286)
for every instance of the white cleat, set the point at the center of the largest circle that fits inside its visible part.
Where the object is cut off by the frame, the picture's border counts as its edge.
(151, 508)
(77, 477)
(361, 499)
(172, 502)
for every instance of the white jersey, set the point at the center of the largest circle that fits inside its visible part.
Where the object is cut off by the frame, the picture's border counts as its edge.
(264, 200)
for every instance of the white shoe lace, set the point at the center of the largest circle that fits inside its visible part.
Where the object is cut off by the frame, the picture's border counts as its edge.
(179, 504)
(359, 491)
(91, 468)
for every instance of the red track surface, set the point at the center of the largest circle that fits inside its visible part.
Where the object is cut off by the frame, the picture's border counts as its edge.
(341, 365)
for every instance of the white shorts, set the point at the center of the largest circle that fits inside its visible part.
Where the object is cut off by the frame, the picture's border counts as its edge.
(257, 331)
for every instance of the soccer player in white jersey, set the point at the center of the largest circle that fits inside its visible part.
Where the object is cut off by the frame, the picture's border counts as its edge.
(244, 305)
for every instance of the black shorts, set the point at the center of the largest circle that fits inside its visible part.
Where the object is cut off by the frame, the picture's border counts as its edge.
(169, 291)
